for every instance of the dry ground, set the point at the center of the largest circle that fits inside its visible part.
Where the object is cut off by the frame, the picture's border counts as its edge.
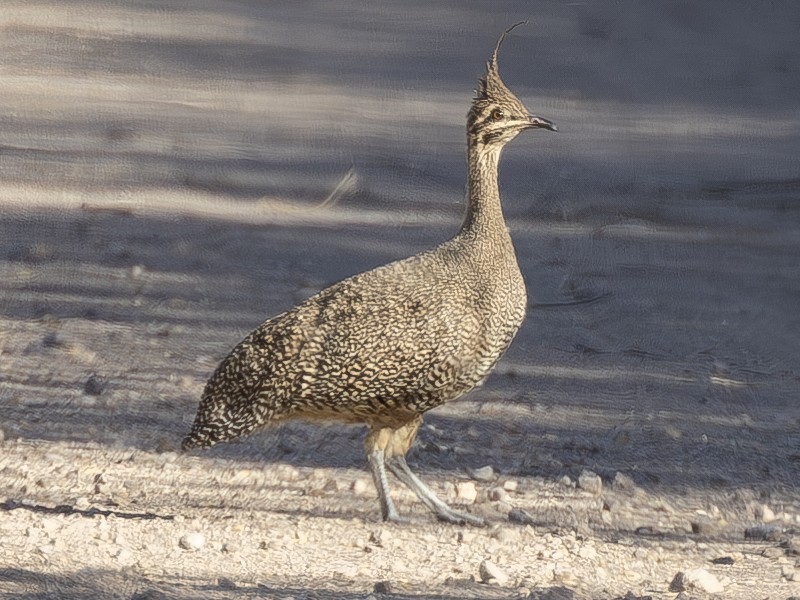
(158, 172)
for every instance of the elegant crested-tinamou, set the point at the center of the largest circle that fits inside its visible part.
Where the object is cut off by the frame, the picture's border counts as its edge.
(385, 346)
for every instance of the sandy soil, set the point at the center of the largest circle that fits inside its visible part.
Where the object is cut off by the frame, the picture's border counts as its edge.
(161, 170)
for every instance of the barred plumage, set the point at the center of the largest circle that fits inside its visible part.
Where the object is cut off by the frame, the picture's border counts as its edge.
(385, 346)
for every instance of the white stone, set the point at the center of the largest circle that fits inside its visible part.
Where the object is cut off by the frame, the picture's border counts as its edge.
(767, 514)
(125, 557)
(359, 486)
(466, 492)
(485, 473)
(591, 482)
(192, 541)
(50, 525)
(491, 573)
(498, 494)
(511, 485)
(696, 580)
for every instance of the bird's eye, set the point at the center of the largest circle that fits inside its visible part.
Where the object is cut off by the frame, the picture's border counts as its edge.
(498, 114)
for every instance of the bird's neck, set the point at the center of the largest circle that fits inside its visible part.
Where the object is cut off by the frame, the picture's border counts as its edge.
(484, 216)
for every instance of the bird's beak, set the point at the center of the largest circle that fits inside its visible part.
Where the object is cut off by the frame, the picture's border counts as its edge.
(541, 123)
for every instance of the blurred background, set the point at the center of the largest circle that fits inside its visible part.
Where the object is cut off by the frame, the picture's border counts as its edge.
(173, 173)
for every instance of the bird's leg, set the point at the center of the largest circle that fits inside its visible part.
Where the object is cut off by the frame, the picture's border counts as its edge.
(398, 444)
(375, 449)
(399, 467)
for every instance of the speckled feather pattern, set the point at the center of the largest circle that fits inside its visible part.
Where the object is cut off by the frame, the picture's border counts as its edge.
(379, 347)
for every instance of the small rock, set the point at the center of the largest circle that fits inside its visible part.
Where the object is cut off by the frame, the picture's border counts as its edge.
(498, 494)
(792, 545)
(789, 573)
(518, 515)
(705, 527)
(485, 473)
(491, 573)
(359, 486)
(82, 503)
(380, 537)
(50, 525)
(230, 547)
(566, 481)
(136, 271)
(623, 482)
(94, 386)
(466, 492)
(383, 587)
(465, 536)
(53, 339)
(772, 552)
(192, 541)
(766, 513)
(723, 560)
(768, 533)
(506, 535)
(511, 485)
(591, 482)
(696, 580)
(225, 584)
(125, 557)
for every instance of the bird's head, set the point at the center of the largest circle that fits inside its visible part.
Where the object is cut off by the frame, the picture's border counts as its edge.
(497, 116)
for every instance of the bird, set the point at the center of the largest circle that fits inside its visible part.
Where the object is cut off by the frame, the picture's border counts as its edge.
(385, 346)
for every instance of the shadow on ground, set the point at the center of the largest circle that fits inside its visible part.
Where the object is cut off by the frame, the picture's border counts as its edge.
(89, 584)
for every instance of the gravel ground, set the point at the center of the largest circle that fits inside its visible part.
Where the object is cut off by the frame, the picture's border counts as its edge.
(158, 167)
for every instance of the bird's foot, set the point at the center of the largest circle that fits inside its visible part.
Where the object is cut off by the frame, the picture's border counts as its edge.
(396, 518)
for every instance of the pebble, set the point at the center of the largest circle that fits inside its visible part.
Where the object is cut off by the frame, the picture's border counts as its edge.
(766, 513)
(789, 573)
(506, 535)
(53, 339)
(518, 515)
(224, 583)
(50, 525)
(591, 482)
(498, 494)
(491, 573)
(125, 557)
(772, 552)
(94, 386)
(192, 541)
(230, 547)
(769, 533)
(511, 485)
(696, 580)
(466, 492)
(359, 486)
(623, 482)
(485, 473)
